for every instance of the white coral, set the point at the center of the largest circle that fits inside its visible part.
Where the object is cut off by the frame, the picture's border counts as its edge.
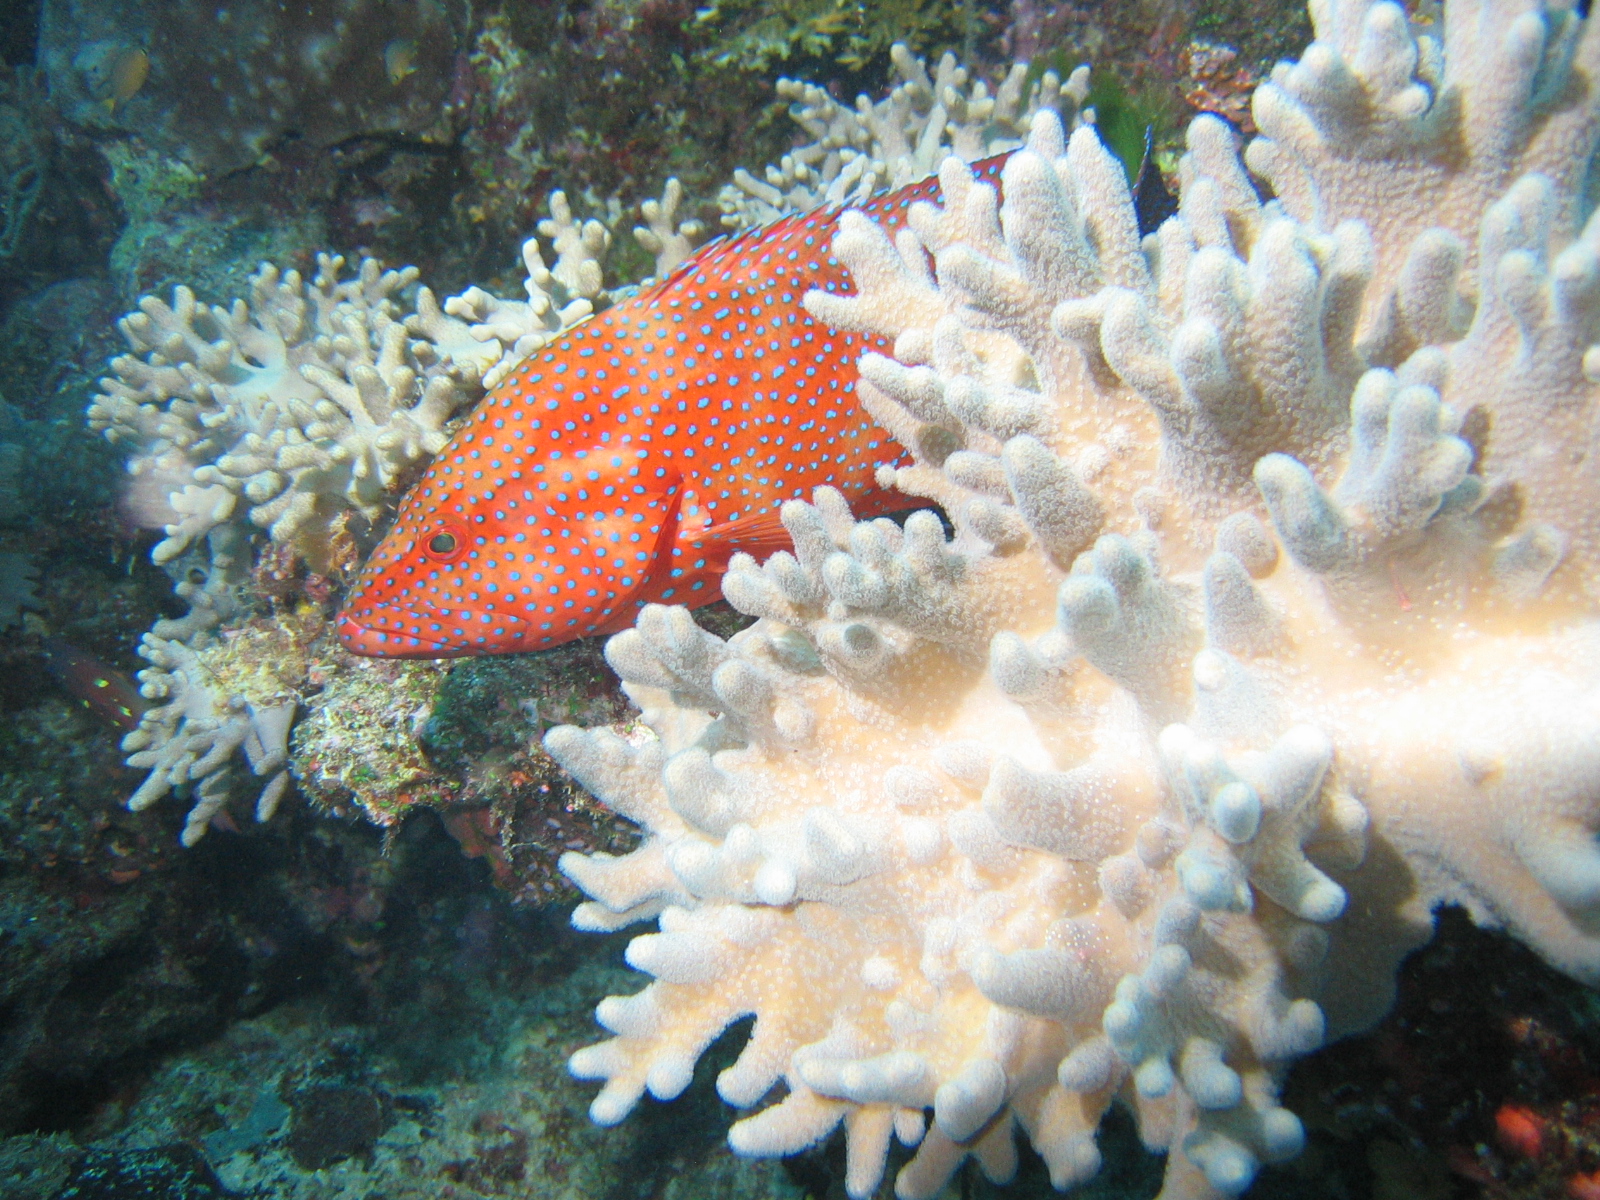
(663, 235)
(308, 400)
(860, 151)
(188, 740)
(1266, 626)
(505, 332)
(193, 734)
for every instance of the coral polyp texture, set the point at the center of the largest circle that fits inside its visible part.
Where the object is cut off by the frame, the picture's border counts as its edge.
(1265, 623)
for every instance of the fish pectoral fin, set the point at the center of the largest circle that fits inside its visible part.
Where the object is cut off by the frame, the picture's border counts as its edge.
(759, 536)
(627, 512)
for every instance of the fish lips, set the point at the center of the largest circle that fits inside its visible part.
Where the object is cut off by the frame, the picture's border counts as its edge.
(382, 634)
(389, 631)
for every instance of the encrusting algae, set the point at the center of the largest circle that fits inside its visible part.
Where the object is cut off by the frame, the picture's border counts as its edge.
(357, 748)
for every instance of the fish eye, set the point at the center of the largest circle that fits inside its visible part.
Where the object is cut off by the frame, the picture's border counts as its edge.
(444, 543)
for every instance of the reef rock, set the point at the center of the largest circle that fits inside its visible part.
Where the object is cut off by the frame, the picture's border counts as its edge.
(1268, 623)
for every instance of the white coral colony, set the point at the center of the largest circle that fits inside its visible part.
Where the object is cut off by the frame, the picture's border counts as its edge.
(1270, 622)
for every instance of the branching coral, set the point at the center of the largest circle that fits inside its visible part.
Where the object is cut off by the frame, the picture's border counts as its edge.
(1266, 626)
(235, 694)
(310, 398)
(504, 332)
(860, 151)
(286, 414)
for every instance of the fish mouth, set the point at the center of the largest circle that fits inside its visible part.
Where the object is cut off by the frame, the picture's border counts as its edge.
(388, 631)
(385, 639)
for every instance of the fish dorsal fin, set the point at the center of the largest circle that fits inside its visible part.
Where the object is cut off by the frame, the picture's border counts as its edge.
(714, 253)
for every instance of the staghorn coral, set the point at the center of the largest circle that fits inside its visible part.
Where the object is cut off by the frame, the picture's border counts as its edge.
(873, 147)
(1267, 625)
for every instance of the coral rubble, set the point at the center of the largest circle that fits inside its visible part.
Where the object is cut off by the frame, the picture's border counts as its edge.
(1267, 625)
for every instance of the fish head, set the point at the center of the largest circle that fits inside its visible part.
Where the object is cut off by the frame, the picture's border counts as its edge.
(499, 550)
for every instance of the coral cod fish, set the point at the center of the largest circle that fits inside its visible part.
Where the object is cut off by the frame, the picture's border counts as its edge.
(626, 462)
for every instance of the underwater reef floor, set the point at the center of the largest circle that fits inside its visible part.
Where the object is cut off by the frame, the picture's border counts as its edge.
(280, 1045)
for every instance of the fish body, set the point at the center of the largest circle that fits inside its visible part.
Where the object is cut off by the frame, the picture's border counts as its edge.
(104, 691)
(626, 462)
(126, 70)
(400, 60)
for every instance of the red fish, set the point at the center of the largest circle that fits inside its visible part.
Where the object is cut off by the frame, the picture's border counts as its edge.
(627, 462)
(104, 691)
